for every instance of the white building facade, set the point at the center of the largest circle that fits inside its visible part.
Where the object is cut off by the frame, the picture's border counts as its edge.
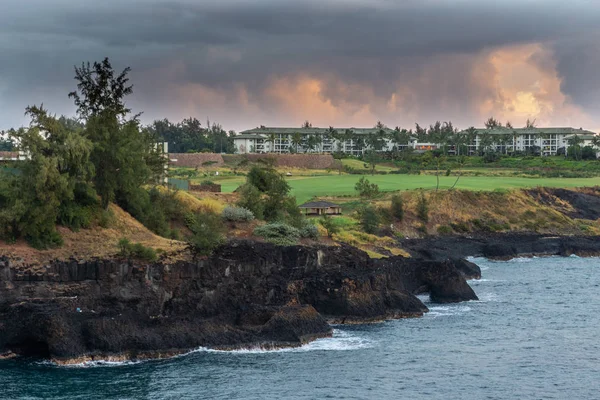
(355, 141)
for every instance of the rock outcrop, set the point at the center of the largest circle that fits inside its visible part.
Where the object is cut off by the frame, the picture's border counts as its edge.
(246, 294)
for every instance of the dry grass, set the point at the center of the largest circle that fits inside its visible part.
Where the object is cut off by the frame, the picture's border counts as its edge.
(95, 242)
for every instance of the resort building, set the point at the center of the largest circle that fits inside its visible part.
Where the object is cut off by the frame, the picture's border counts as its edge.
(542, 141)
(311, 140)
(355, 141)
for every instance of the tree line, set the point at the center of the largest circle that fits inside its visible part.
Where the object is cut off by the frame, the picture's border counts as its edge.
(75, 167)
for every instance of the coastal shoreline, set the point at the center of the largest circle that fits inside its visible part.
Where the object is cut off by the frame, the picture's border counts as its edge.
(248, 295)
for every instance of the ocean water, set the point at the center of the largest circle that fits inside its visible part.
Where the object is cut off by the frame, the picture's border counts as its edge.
(535, 334)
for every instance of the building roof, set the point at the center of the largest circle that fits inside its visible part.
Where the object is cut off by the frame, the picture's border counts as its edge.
(318, 204)
(310, 131)
(533, 131)
(244, 135)
(581, 136)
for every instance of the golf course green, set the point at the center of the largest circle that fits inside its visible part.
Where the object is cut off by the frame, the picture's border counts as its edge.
(306, 187)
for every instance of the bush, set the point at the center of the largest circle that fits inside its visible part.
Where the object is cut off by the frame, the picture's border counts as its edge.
(136, 250)
(80, 211)
(329, 224)
(422, 208)
(278, 233)
(251, 199)
(210, 206)
(444, 230)
(460, 227)
(237, 214)
(490, 157)
(309, 231)
(208, 232)
(397, 207)
(385, 214)
(107, 219)
(588, 153)
(369, 219)
(366, 189)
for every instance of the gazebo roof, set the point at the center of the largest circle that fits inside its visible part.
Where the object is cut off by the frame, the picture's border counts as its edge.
(319, 204)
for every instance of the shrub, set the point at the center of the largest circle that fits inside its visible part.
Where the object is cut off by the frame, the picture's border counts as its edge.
(237, 214)
(369, 219)
(588, 153)
(251, 199)
(136, 250)
(278, 233)
(490, 157)
(107, 218)
(444, 230)
(423, 208)
(208, 232)
(309, 231)
(385, 214)
(329, 224)
(209, 206)
(397, 207)
(460, 227)
(366, 189)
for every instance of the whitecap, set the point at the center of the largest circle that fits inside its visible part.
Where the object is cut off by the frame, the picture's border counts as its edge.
(340, 341)
(92, 364)
(445, 311)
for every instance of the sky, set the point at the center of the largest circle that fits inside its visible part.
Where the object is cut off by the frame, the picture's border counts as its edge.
(346, 63)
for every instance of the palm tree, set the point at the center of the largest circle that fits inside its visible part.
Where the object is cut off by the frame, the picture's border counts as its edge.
(330, 135)
(400, 137)
(575, 145)
(348, 135)
(272, 141)
(312, 142)
(471, 136)
(296, 140)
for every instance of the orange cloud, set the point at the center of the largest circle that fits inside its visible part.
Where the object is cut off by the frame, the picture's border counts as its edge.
(524, 84)
(512, 84)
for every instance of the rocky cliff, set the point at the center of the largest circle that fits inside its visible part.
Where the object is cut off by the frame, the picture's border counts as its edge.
(246, 294)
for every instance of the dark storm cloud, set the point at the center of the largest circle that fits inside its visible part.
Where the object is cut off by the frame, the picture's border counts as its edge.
(223, 43)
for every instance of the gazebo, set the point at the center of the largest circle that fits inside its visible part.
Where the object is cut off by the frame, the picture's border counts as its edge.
(321, 208)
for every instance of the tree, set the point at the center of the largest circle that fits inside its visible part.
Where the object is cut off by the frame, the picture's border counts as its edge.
(461, 163)
(121, 152)
(208, 232)
(422, 208)
(371, 157)
(400, 138)
(574, 149)
(59, 160)
(530, 124)
(312, 142)
(397, 207)
(251, 199)
(366, 189)
(369, 219)
(296, 140)
(471, 137)
(6, 142)
(306, 124)
(588, 153)
(272, 141)
(329, 224)
(492, 123)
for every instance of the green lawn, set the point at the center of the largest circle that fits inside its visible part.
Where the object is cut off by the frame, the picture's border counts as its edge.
(305, 187)
(333, 185)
